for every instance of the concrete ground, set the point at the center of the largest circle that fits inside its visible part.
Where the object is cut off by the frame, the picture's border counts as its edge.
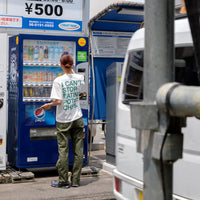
(95, 184)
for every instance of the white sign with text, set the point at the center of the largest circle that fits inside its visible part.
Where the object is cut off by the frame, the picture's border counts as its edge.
(51, 9)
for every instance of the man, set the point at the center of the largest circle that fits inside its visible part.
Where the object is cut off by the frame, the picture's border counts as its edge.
(69, 122)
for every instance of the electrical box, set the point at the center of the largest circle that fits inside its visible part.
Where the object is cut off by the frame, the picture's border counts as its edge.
(113, 79)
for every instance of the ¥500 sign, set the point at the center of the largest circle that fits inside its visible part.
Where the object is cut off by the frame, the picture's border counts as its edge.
(40, 9)
(51, 9)
(56, 15)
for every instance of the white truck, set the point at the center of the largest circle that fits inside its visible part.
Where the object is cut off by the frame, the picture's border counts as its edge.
(128, 175)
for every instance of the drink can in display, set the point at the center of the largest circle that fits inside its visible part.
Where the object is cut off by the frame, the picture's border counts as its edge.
(25, 76)
(36, 53)
(30, 76)
(66, 49)
(25, 53)
(46, 53)
(55, 74)
(30, 53)
(60, 49)
(40, 78)
(44, 92)
(71, 51)
(41, 54)
(35, 92)
(50, 77)
(51, 54)
(40, 92)
(30, 92)
(35, 77)
(48, 92)
(25, 92)
(45, 78)
(57, 55)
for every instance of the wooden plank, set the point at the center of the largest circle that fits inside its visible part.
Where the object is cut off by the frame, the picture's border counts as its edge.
(5, 178)
(21, 177)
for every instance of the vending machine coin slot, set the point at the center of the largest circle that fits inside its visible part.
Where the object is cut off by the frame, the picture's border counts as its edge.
(82, 69)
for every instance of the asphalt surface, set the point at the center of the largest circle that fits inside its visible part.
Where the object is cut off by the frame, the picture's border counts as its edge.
(95, 184)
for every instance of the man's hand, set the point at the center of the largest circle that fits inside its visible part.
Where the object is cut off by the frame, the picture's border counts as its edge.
(46, 106)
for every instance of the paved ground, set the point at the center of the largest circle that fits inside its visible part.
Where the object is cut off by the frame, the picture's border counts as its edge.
(93, 186)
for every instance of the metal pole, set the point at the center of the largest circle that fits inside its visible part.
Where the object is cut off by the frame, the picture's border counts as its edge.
(93, 77)
(158, 70)
(159, 43)
(184, 101)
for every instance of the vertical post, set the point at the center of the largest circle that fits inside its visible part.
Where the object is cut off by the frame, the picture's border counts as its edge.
(86, 17)
(158, 70)
(159, 46)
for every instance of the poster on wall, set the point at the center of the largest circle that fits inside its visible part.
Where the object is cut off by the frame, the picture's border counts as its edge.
(110, 44)
(57, 15)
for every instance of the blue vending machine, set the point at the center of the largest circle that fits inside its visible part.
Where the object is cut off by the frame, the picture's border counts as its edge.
(33, 65)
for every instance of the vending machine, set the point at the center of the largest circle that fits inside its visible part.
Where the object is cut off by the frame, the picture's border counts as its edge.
(34, 62)
(3, 98)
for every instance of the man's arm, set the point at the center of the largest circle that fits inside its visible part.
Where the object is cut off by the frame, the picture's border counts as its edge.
(47, 106)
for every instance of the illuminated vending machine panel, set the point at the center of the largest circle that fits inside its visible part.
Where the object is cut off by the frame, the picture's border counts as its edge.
(41, 65)
(38, 64)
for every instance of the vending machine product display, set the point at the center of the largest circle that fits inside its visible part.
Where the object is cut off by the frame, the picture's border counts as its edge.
(34, 62)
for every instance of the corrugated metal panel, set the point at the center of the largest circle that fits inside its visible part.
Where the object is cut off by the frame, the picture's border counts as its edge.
(121, 16)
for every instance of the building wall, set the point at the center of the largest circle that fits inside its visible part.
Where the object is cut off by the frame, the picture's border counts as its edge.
(2, 7)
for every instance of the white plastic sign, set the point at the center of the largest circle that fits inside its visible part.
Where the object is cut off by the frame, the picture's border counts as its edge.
(51, 9)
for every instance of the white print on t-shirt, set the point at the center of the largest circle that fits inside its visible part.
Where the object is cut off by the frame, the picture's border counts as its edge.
(70, 94)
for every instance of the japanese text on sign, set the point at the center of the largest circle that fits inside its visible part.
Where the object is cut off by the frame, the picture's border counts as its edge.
(6, 21)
